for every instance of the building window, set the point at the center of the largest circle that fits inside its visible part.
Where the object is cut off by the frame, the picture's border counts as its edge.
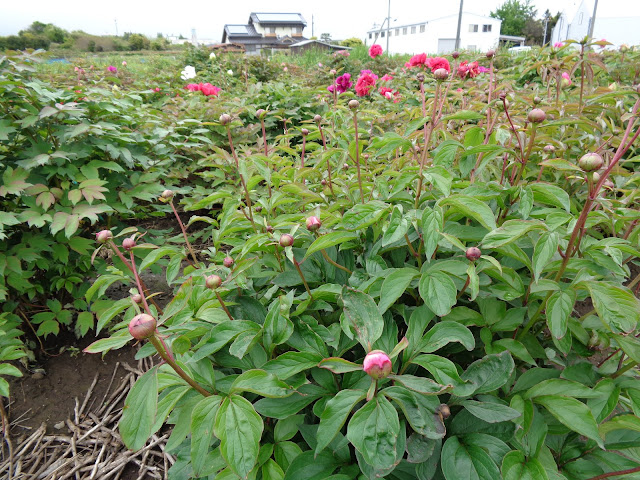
(397, 32)
(486, 28)
(413, 29)
(422, 28)
(382, 34)
(473, 28)
(404, 31)
(297, 30)
(271, 30)
(370, 36)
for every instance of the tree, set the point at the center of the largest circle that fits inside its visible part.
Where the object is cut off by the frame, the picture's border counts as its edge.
(514, 15)
(351, 42)
(325, 37)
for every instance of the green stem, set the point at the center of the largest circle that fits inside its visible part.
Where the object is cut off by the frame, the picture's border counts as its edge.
(304, 281)
(337, 265)
(624, 369)
(184, 234)
(224, 307)
(172, 363)
(355, 124)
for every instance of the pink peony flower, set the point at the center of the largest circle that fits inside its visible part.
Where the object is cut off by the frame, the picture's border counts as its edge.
(112, 69)
(482, 69)
(417, 60)
(558, 45)
(157, 89)
(375, 50)
(208, 89)
(468, 69)
(124, 63)
(438, 62)
(386, 78)
(193, 87)
(377, 364)
(566, 79)
(344, 53)
(365, 83)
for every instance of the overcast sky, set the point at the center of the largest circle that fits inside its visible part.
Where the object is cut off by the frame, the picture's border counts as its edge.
(340, 18)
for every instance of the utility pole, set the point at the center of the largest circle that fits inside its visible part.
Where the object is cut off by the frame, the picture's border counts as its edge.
(312, 25)
(546, 22)
(459, 25)
(116, 22)
(388, 24)
(593, 20)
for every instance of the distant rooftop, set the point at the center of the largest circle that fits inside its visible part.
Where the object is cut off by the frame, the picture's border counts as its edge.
(277, 18)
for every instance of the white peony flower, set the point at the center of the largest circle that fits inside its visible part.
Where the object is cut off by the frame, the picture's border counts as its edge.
(212, 56)
(230, 72)
(188, 72)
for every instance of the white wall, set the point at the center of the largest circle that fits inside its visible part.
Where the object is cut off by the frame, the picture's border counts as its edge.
(442, 28)
(280, 31)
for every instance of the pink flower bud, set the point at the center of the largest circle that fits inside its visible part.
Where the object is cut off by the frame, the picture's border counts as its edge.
(228, 262)
(166, 196)
(491, 53)
(441, 74)
(269, 229)
(225, 118)
(128, 243)
(260, 113)
(549, 149)
(213, 282)
(103, 236)
(377, 364)
(473, 253)
(590, 162)
(333, 71)
(137, 298)
(354, 104)
(304, 132)
(286, 240)
(536, 116)
(455, 55)
(317, 119)
(313, 223)
(142, 326)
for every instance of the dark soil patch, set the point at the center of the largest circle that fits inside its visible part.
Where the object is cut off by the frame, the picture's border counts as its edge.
(48, 393)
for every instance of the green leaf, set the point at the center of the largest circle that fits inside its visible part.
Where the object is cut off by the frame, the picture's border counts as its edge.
(139, 411)
(516, 348)
(438, 292)
(573, 414)
(330, 240)
(422, 385)
(154, 255)
(339, 365)
(545, 249)
(363, 215)
(8, 369)
(290, 363)
(463, 115)
(551, 195)
(444, 333)
(442, 369)
(490, 372)
(621, 422)
(559, 308)
(335, 415)
(308, 466)
(466, 462)
(516, 467)
(616, 306)
(363, 316)
(490, 412)
(284, 407)
(432, 224)
(203, 416)
(262, 383)
(239, 429)
(373, 431)
(397, 228)
(472, 208)
(394, 286)
(560, 386)
(510, 231)
(419, 410)
(629, 344)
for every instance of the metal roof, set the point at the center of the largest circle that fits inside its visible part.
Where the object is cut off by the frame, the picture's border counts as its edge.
(277, 18)
(306, 42)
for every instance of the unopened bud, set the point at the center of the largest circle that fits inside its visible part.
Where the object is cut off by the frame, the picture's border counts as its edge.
(377, 364)
(103, 236)
(137, 298)
(317, 119)
(590, 162)
(225, 118)
(313, 223)
(213, 281)
(333, 71)
(128, 243)
(269, 229)
(537, 100)
(346, 165)
(420, 77)
(549, 149)
(473, 254)
(166, 195)
(455, 55)
(536, 116)
(286, 240)
(441, 74)
(260, 113)
(304, 132)
(444, 411)
(491, 54)
(142, 326)
(354, 104)
(228, 262)
(502, 96)
(323, 182)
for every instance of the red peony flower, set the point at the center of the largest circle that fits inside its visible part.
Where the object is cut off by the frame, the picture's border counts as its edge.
(468, 69)
(208, 89)
(375, 50)
(417, 60)
(365, 83)
(193, 87)
(439, 62)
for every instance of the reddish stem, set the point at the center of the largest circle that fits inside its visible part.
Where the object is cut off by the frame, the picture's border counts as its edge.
(184, 233)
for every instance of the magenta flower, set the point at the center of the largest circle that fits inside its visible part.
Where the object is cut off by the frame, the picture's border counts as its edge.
(365, 83)
(386, 78)
(112, 69)
(482, 69)
(558, 45)
(343, 83)
(193, 87)
(438, 62)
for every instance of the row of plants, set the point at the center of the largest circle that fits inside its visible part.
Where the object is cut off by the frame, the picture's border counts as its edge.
(423, 286)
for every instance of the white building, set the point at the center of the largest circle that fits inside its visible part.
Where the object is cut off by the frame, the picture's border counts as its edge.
(438, 35)
(617, 22)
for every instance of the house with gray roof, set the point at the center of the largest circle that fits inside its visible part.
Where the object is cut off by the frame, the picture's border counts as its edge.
(266, 32)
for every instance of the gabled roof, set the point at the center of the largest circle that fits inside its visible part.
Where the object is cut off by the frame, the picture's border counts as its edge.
(318, 42)
(238, 32)
(277, 19)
